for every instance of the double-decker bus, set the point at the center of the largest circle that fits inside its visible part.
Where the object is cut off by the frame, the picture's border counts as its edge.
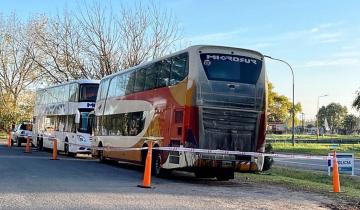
(62, 112)
(207, 97)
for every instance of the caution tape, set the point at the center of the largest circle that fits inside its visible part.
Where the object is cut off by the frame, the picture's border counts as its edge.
(207, 151)
(107, 148)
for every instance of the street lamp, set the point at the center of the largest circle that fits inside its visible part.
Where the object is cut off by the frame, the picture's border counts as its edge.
(317, 116)
(293, 96)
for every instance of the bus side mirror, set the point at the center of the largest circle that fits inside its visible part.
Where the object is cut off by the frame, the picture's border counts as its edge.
(77, 117)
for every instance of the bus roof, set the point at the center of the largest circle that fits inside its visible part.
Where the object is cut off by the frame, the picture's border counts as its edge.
(190, 48)
(80, 81)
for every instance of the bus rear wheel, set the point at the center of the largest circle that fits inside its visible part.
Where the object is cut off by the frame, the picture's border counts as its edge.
(156, 169)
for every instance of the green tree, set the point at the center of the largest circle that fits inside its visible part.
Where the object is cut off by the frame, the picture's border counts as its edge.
(279, 107)
(356, 102)
(351, 124)
(335, 114)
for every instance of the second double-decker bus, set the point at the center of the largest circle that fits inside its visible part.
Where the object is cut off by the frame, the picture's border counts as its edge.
(62, 112)
(206, 97)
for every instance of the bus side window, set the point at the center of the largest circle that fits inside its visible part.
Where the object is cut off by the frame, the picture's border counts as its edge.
(130, 83)
(120, 87)
(178, 69)
(112, 88)
(104, 88)
(71, 124)
(151, 76)
(163, 67)
(98, 125)
(139, 80)
(74, 89)
(98, 97)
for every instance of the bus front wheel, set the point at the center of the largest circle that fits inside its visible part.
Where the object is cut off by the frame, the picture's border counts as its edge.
(101, 156)
(66, 148)
(39, 144)
(18, 142)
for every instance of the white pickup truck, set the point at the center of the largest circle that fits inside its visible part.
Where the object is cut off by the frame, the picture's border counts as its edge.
(20, 133)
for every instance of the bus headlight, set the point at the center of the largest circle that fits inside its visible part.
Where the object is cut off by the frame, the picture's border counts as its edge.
(81, 138)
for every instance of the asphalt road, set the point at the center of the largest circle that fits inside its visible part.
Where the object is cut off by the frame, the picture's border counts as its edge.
(319, 165)
(33, 181)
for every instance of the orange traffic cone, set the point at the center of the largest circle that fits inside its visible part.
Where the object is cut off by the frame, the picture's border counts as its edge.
(147, 172)
(9, 139)
(54, 150)
(336, 178)
(27, 148)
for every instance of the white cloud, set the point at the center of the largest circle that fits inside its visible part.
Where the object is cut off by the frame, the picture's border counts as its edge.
(331, 61)
(328, 37)
(323, 33)
(314, 30)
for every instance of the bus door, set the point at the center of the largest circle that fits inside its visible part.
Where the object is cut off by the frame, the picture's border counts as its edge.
(60, 132)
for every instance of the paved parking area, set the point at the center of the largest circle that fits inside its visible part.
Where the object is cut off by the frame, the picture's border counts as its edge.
(33, 181)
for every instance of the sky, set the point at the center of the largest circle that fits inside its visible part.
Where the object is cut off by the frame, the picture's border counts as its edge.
(319, 39)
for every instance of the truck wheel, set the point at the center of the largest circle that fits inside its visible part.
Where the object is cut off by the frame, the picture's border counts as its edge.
(18, 143)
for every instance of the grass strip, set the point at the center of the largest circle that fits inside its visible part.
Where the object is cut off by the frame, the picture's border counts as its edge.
(311, 181)
(310, 137)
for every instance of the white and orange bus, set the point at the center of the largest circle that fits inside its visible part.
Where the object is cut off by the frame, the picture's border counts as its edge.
(207, 97)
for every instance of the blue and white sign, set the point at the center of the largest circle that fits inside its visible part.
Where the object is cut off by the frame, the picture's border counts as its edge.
(345, 163)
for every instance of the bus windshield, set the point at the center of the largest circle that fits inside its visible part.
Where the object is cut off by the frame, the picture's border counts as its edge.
(88, 92)
(83, 125)
(232, 68)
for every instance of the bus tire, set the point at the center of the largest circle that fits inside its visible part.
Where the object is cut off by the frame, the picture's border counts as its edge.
(156, 164)
(66, 148)
(268, 161)
(12, 142)
(156, 169)
(100, 154)
(18, 142)
(40, 145)
(71, 154)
